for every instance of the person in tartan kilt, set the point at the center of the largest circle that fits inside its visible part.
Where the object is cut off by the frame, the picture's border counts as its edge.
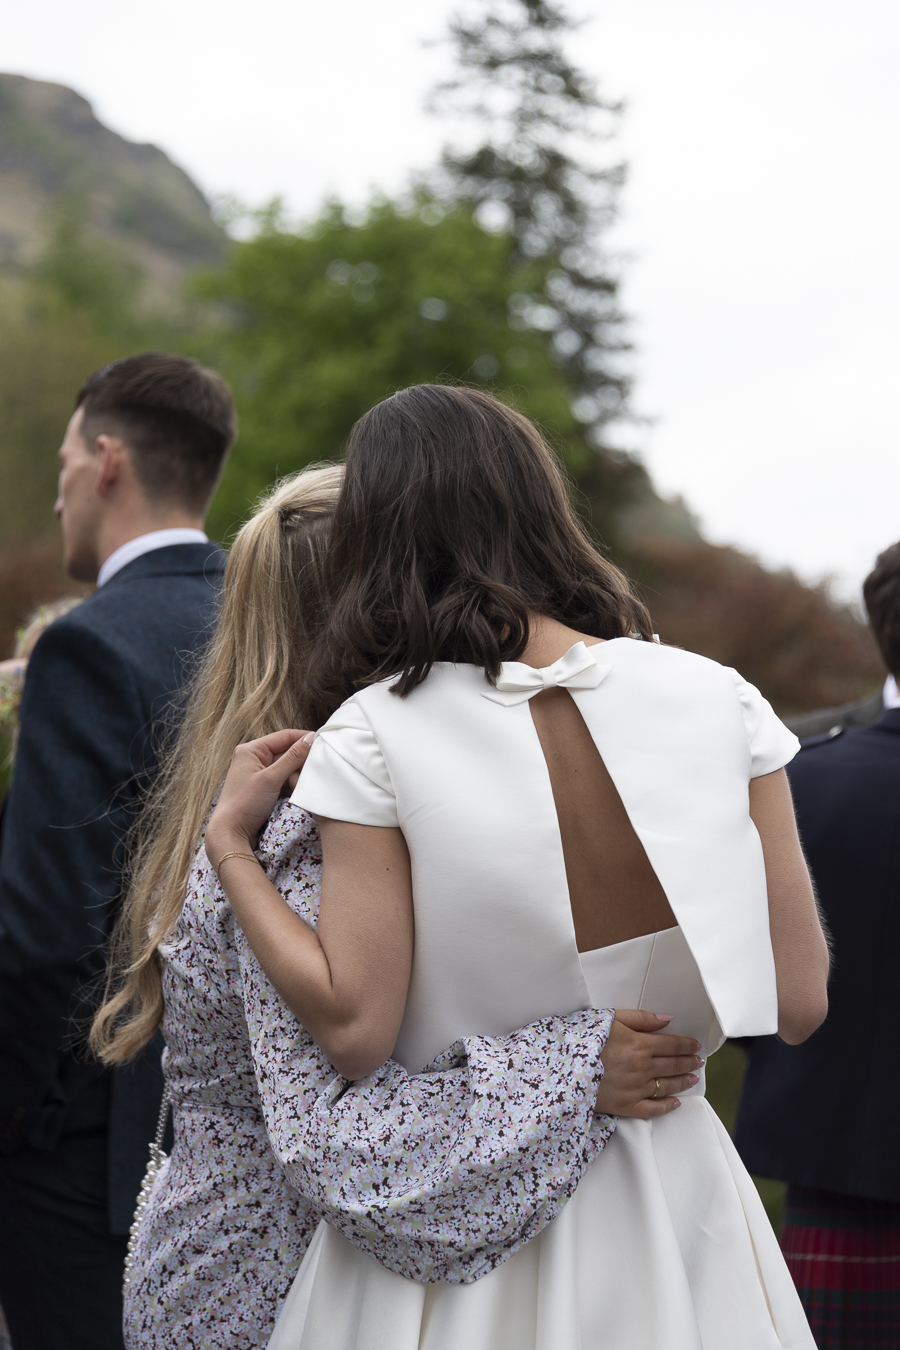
(841, 1223)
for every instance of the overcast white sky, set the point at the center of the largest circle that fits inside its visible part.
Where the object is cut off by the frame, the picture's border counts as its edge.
(762, 215)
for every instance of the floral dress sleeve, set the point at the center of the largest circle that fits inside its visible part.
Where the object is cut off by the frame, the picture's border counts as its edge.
(441, 1175)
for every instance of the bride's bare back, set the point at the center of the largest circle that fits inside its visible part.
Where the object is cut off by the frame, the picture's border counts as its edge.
(613, 890)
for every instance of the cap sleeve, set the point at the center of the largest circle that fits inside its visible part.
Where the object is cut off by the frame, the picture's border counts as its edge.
(345, 776)
(771, 744)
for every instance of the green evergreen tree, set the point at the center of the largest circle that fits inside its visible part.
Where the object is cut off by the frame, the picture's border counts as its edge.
(532, 175)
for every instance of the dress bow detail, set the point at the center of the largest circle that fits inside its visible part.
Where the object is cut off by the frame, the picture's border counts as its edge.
(578, 669)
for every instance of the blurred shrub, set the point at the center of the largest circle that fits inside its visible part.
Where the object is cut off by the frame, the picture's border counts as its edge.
(790, 639)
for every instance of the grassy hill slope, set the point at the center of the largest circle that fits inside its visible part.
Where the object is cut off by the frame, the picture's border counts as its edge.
(56, 157)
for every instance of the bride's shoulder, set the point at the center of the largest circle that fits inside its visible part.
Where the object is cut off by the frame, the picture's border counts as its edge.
(678, 675)
(367, 705)
(705, 694)
(658, 659)
(352, 714)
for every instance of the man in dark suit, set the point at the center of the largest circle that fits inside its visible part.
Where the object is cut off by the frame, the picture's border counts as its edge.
(139, 464)
(861, 712)
(823, 1116)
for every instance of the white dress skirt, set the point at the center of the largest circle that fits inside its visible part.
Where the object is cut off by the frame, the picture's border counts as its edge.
(664, 1246)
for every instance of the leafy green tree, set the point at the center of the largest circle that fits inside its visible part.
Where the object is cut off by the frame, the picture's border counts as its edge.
(76, 309)
(72, 312)
(81, 274)
(316, 326)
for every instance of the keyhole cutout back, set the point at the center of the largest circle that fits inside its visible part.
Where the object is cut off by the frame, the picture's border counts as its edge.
(613, 890)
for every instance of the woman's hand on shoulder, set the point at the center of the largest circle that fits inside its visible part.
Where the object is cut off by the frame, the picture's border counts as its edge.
(636, 1058)
(260, 773)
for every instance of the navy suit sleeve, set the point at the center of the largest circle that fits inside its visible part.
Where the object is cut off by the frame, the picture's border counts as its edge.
(79, 756)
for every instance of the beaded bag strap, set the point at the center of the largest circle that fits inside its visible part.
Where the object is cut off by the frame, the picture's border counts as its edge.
(157, 1158)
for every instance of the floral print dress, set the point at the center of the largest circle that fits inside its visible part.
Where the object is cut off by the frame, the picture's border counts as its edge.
(441, 1176)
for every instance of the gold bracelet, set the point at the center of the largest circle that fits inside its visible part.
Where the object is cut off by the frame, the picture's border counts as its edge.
(251, 857)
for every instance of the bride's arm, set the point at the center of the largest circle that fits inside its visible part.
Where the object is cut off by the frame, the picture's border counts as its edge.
(347, 983)
(798, 942)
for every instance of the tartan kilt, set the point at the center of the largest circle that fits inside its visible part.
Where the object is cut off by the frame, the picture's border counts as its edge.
(843, 1253)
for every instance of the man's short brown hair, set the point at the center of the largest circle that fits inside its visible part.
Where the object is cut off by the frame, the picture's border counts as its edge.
(881, 593)
(176, 417)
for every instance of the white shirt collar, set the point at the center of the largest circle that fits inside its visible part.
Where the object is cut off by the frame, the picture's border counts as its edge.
(891, 694)
(146, 543)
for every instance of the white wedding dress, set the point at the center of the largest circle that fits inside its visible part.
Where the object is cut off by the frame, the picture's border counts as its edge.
(665, 1244)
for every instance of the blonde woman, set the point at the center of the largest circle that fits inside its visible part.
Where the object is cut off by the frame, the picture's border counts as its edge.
(222, 1212)
(226, 1226)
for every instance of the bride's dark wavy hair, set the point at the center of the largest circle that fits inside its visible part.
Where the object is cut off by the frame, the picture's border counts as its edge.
(454, 521)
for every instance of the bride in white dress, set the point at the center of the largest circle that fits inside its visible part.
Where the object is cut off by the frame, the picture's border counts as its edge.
(525, 811)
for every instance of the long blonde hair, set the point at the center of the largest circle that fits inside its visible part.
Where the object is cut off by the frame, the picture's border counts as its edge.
(249, 684)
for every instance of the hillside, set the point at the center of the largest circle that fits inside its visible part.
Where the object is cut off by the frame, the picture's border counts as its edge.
(54, 153)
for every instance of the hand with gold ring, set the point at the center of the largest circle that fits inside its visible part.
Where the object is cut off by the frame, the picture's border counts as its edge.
(643, 1070)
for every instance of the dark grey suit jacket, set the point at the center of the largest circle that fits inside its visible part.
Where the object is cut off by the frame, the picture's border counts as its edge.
(100, 681)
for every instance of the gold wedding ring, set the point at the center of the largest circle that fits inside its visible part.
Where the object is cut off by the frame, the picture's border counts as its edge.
(656, 1093)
